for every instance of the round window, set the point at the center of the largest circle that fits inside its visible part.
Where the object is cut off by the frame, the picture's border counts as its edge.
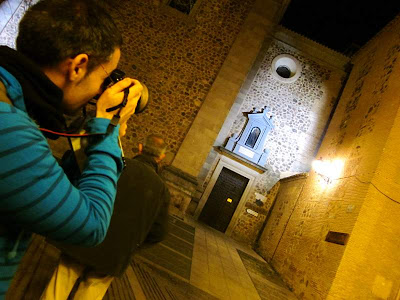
(283, 71)
(286, 68)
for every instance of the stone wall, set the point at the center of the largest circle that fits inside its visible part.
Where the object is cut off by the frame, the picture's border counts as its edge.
(300, 109)
(363, 201)
(178, 57)
(370, 267)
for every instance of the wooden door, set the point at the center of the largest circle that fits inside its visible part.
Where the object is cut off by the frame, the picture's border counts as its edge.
(223, 199)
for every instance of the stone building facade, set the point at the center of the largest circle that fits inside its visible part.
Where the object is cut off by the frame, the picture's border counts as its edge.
(361, 204)
(186, 60)
(206, 68)
(300, 111)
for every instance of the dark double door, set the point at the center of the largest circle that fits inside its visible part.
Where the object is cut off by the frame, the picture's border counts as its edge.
(223, 199)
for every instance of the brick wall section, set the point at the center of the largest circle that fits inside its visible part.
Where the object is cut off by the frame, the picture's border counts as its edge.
(370, 268)
(286, 200)
(304, 260)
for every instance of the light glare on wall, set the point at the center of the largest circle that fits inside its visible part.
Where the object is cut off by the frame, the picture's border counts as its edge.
(328, 169)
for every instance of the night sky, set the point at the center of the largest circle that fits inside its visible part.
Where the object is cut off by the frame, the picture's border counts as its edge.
(343, 25)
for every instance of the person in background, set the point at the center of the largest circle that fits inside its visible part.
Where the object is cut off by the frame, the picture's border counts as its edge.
(140, 215)
(65, 50)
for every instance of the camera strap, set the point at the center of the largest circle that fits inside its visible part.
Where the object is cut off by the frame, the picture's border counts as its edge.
(115, 119)
(122, 104)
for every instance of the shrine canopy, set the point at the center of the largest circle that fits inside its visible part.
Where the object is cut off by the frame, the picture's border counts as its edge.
(250, 143)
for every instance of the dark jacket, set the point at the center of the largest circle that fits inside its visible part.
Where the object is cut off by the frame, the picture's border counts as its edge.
(140, 213)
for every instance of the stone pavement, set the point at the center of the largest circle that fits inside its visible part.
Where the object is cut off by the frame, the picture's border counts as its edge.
(198, 262)
(193, 262)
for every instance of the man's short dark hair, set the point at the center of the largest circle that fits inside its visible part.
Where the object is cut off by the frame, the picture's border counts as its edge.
(154, 145)
(53, 30)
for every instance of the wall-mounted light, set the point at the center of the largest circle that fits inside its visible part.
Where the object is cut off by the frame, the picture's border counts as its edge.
(328, 169)
(260, 199)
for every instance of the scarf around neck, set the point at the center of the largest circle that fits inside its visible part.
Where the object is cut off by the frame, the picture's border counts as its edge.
(42, 97)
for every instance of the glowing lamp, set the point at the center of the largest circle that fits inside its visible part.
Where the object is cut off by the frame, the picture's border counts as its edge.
(328, 169)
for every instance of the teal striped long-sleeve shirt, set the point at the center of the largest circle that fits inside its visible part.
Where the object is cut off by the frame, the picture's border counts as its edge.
(36, 195)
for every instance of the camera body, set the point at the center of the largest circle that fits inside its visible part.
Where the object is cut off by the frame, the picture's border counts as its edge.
(117, 75)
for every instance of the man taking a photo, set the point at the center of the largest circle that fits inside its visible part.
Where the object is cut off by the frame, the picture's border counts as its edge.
(65, 50)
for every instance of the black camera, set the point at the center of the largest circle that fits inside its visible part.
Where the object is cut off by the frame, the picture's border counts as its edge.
(118, 75)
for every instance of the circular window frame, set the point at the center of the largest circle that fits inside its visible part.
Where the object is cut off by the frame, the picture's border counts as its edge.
(289, 62)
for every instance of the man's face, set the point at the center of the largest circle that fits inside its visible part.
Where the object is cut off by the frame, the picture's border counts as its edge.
(78, 93)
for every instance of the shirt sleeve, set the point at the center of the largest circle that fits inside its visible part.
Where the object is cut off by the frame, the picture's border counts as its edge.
(36, 194)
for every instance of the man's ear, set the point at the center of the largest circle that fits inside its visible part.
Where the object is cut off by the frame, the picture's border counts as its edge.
(77, 68)
(140, 147)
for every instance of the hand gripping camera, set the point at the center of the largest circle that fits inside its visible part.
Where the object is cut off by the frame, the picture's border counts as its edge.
(118, 75)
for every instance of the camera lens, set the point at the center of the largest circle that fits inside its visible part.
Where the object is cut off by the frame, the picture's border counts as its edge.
(143, 100)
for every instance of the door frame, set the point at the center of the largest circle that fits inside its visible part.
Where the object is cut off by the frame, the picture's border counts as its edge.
(226, 162)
